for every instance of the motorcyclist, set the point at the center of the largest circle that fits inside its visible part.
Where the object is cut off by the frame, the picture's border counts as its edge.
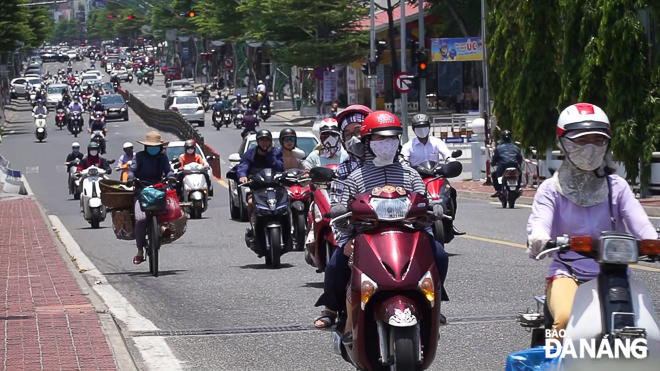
(40, 108)
(98, 106)
(254, 102)
(380, 136)
(250, 122)
(261, 87)
(93, 158)
(74, 155)
(189, 156)
(506, 155)
(217, 104)
(39, 94)
(262, 156)
(60, 105)
(424, 147)
(288, 141)
(149, 167)
(115, 79)
(584, 197)
(127, 156)
(238, 106)
(330, 151)
(75, 106)
(226, 104)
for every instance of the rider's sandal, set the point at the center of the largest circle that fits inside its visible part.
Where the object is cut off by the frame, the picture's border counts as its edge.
(328, 318)
(138, 259)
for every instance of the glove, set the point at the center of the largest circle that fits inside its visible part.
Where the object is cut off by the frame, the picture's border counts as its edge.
(536, 242)
(438, 211)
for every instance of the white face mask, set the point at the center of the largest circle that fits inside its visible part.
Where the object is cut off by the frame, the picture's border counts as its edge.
(190, 151)
(384, 150)
(587, 157)
(330, 146)
(93, 153)
(422, 132)
(354, 146)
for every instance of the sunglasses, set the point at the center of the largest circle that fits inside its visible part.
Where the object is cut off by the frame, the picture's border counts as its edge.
(326, 136)
(289, 139)
(598, 141)
(350, 134)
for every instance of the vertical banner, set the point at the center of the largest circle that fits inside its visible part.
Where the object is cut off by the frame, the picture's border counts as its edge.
(351, 82)
(380, 80)
(329, 86)
(457, 50)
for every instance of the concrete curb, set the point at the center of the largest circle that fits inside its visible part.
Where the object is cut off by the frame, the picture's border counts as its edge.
(123, 358)
(524, 200)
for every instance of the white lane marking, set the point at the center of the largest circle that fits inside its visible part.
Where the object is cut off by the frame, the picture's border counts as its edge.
(61, 168)
(31, 169)
(517, 205)
(154, 350)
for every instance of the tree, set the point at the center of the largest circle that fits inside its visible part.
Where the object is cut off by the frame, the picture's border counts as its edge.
(100, 25)
(13, 24)
(66, 30)
(308, 33)
(41, 23)
(221, 23)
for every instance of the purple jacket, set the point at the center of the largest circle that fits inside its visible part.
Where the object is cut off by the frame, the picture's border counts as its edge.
(556, 215)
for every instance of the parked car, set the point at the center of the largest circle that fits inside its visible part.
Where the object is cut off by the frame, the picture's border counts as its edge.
(115, 106)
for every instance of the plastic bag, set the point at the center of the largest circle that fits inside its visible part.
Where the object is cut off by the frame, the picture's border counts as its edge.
(153, 199)
(532, 359)
(123, 224)
(172, 210)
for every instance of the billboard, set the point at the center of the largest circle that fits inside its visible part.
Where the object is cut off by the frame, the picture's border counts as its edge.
(457, 50)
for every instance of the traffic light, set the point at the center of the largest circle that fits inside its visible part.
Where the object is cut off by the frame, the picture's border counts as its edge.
(381, 45)
(111, 15)
(130, 16)
(191, 14)
(422, 59)
(365, 68)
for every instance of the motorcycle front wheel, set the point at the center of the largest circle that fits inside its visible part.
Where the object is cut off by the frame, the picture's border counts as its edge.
(273, 259)
(301, 231)
(403, 348)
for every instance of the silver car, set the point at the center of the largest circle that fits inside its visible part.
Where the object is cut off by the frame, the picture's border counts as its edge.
(190, 107)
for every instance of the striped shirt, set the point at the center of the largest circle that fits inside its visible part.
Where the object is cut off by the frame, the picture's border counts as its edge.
(368, 177)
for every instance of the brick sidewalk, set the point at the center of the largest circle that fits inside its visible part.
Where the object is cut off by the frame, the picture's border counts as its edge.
(48, 323)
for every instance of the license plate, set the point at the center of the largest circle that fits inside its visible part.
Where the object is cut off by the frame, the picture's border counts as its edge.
(512, 182)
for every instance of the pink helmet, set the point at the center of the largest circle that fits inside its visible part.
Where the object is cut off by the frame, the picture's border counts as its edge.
(586, 117)
(352, 114)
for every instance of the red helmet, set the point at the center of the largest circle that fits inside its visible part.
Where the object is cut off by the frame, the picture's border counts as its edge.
(352, 114)
(584, 117)
(381, 122)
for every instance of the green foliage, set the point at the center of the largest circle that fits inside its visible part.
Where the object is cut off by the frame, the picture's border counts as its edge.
(66, 30)
(13, 24)
(41, 24)
(101, 26)
(220, 23)
(308, 33)
(447, 26)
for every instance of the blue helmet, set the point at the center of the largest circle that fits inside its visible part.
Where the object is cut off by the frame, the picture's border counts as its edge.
(249, 111)
(238, 96)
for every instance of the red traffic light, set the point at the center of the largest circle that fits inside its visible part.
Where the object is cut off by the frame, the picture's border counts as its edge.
(111, 16)
(422, 66)
(130, 17)
(191, 14)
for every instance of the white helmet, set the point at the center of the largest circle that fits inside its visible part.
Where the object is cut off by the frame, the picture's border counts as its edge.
(261, 82)
(75, 145)
(128, 145)
(586, 117)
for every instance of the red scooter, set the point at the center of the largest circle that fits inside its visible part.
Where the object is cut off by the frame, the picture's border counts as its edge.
(319, 253)
(395, 289)
(438, 188)
(300, 197)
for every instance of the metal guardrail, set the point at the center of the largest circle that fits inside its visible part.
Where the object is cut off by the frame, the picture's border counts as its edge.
(163, 120)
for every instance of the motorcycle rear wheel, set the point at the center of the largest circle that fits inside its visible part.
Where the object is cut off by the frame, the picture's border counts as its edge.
(301, 231)
(96, 218)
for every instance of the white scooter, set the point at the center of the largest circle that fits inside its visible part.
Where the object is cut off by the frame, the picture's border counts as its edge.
(73, 177)
(611, 307)
(90, 198)
(40, 123)
(195, 189)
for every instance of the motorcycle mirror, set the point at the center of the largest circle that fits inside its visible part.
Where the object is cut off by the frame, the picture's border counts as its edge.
(111, 162)
(457, 153)
(321, 174)
(298, 153)
(176, 165)
(128, 100)
(164, 96)
(450, 169)
(210, 158)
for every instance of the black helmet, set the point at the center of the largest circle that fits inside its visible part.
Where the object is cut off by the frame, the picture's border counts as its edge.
(263, 133)
(190, 143)
(506, 136)
(420, 119)
(288, 132)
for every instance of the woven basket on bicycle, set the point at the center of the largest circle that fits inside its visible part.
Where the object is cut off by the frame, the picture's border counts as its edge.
(115, 197)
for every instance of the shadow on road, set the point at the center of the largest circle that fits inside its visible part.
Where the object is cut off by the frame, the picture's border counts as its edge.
(146, 273)
(315, 285)
(263, 266)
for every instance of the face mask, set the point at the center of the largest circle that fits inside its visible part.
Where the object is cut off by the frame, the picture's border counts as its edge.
(153, 150)
(190, 151)
(354, 146)
(586, 157)
(75, 151)
(330, 145)
(93, 153)
(422, 132)
(384, 150)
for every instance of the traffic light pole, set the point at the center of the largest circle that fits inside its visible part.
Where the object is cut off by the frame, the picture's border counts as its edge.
(372, 57)
(422, 46)
(404, 96)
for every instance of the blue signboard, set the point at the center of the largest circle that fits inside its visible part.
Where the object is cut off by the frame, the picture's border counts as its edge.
(454, 139)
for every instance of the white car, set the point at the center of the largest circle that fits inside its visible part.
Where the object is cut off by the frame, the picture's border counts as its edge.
(95, 72)
(307, 141)
(190, 107)
(90, 78)
(72, 54)
(122, 73)
(54, 94)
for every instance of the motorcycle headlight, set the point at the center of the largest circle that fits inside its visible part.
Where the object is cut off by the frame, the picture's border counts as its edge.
(390, 209)
(618, 250)
(93, 172)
